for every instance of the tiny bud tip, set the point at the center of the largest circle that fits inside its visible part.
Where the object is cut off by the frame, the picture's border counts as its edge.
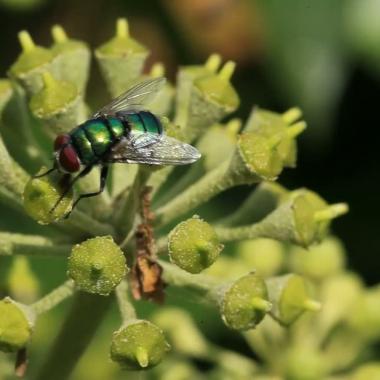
(213, 62)
(142, 357)
(122, 29)
(59, 34)
(227, 71)
(26, 41)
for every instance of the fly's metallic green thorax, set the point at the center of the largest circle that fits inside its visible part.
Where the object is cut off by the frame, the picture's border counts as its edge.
(94, 138)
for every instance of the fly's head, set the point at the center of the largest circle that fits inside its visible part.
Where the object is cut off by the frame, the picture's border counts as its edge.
(66, 157)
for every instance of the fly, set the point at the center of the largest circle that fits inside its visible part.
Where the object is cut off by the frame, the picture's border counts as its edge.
(123, 131)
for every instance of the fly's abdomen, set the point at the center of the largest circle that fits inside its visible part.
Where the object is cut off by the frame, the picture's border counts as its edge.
(144, 121)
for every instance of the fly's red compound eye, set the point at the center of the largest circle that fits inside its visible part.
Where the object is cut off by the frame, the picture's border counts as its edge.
(60, 141)
(68, 159)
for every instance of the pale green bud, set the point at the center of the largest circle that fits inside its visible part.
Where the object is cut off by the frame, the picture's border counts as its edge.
(193, 245)
(318, 261)
(31, 63)
(184, 336)
(97, 265)
(57, 104)
(266, 256)
(369, 371)
(290, 297)
(72, 58)
(42, 194)
(16, 324)
(139, 344)
(245, 302)
(121, 59)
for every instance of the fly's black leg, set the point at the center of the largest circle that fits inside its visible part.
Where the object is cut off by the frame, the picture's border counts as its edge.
(44, 174)
(103, 179)
(84, 172)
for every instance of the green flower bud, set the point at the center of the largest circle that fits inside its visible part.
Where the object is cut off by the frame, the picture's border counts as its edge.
(245, 303)
(305, 364)
(364, 316)
(97, 265)
(16, 323)
(22, 282)
(138, 345)
(193, 245)
(263, 154)
(6, 92)
(31, 63)
(73, 58)
(266, 256)
(319, 261)
(369, 371)
(121, 59)
(212, 97)
(41, 195)
(290, 297)
(227, 268)
(58, 104)
(184, 335)
(226, 135)
(338, 294)
(269, 124)
(303, 219)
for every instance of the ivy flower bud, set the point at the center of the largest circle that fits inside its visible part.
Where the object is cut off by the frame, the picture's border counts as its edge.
(280, 127)
(266, 256)
(245, 303)
(5, 93)
(365, 315)
(73, 58)
(193, 245)
(41, 195)
(262, 154)
(290, 297)
(303, 363)
(121, 59)
(139, 344)
(22, 282)
(303, 219)
(212, 97)
(318, 261)
(97, 265)
(31, 63)
(369, 371)
(16, 324)
(57, 104)
(182, 331)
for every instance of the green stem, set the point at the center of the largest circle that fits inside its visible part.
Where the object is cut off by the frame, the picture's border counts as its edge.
(126, 215)
(88, 224)
(203, 284)
(30, 245)
(85, 316)
(207, 187)
(55, 297)
(227, 234)
(127, 310)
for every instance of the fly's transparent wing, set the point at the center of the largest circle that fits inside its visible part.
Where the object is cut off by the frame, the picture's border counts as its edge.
(138, 95)
(151, 149)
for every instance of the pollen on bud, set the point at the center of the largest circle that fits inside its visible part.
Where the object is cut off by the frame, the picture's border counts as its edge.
(16, 323)
(193, 245)
(290, 296)
(245, 303)
(97, 265)
(139, 344)
(42, 194)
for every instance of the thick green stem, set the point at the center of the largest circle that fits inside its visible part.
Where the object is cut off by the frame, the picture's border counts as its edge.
(127, 310)
(207, 187)
(175, 276)
(88, 224)
(31, 245)
(85, 316)
(254, 231)
(55, 297)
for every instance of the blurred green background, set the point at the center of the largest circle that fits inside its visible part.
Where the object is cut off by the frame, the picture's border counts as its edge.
(321, 55)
